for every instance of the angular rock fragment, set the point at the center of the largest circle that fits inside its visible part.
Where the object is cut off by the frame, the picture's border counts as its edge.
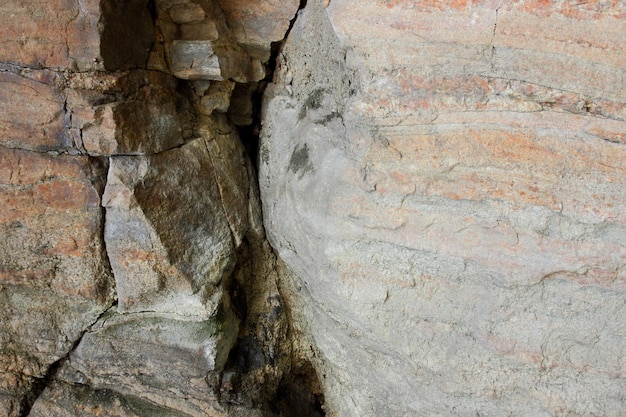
(61, 399)
(257, 24)
(31, 114)
(137, 112)
(166, 232)
(209, 60)
(153, 358)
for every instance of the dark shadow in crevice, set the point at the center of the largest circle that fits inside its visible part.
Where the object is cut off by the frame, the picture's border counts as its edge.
(127, 33)
(299, 394)
(250, 133)
(40, 384)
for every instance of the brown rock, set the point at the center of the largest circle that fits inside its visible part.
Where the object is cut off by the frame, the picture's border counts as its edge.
(54, 280)
(260, 23)
(31, 114)
(139, 114)
(209, 60)
(167, 236)
(61, 34)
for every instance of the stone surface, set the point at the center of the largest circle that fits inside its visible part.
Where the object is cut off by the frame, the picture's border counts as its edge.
(135, 112)
(70, 400)
(60, 34)
(447, 181)
(257, 24)
(54, 279)
(31, 113)
(157, 293)
(208, 60)
(165, 360)
(167, 234)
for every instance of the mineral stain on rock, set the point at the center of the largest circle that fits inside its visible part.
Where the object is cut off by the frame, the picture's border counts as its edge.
(443, 228)
(299, 162)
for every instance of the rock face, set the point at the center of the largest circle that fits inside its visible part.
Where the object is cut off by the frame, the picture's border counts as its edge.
(447, 180)
(443, 187)
(133, 263)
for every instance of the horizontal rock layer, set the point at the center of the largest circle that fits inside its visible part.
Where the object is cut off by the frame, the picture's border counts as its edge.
(447, 180)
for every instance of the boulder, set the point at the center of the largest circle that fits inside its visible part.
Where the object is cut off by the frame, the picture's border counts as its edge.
(447, 182)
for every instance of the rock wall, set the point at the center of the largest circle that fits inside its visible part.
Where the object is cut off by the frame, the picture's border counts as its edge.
(443, 184)
(447, 180)
(135, 278)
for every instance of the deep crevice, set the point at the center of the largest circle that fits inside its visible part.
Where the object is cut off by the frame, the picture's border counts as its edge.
(298, 391)
(250, 134)
(299, 394)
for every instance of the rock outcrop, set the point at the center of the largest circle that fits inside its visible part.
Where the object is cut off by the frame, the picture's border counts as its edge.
(447, 180)
(135, 278)
(444, 197)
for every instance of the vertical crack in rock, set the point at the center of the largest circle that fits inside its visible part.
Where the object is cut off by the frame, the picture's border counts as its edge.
(266, 369)
(144, 285)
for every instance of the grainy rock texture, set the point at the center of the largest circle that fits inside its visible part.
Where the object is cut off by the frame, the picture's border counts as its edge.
(444, 184)
(135, 279)
(448, 182)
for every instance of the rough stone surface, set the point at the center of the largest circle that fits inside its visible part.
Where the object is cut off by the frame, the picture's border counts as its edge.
(175, 378)
(447, 181)
(140, 112)
(212, 40)
(106, 156)
(166, 232)
(257, 24)
(60, 34)
(54, 280)
(31, 113)
(74, 400)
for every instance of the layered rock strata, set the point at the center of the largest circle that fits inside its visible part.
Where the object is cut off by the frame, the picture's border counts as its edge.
(448, 182)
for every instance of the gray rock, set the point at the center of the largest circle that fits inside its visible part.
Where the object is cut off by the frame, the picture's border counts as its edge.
(455, 251)
(166, 361)
(167, 235)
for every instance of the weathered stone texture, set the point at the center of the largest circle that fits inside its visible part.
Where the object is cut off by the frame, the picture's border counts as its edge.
(257, 24)
(60, 34)
(53, 276)
(165, 360)
(167, 233)
(75, 400)
(31, 113)
(448, 179)
(129, 217)
(138, 112)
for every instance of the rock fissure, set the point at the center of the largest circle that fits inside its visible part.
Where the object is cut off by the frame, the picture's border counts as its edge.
(41, 383)
(442, 229)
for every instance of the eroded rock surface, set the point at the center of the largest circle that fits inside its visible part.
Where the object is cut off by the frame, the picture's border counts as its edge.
(444, 184)
(133, 261)
(447, 180)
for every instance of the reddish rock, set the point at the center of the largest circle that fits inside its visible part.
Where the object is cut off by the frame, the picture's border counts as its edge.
(31, 114)
(61, 34)
(53, 271)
